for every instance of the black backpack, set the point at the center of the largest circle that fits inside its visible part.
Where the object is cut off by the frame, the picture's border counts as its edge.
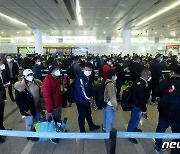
(70, 92)
(127, 103)
(170, 102)
(99, 95)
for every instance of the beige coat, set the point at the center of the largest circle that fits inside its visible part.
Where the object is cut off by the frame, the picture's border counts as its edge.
(110, 93)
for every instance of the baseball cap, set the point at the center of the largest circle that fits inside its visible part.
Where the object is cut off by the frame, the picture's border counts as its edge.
(27, 72)
(53, 66)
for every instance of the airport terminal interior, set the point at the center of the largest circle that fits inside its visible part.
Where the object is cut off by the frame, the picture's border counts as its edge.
(92, 34)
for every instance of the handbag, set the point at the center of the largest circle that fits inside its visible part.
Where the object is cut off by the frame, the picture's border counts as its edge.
(50, 126)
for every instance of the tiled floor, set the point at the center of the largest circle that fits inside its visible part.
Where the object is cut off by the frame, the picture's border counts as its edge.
(15, 145)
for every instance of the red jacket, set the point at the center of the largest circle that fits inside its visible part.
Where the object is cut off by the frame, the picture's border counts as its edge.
(105, 69)
(51, 93)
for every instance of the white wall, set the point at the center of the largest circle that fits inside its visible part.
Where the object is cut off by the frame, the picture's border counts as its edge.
(8, 48)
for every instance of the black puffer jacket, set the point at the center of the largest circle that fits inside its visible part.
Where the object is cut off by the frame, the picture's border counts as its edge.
(140, 94)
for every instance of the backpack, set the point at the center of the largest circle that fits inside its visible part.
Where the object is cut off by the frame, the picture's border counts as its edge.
(126, 103)
(170, 102)
(99, 95)
(70, 92)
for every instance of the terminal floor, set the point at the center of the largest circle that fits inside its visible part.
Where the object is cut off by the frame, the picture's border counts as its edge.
(16, 145)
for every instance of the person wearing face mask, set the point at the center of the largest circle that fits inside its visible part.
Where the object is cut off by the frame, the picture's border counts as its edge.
(110, 97)
(106, 67)
(27, 94)
(37, 69)
(52, 93)
(84, 96)
(140, 95)
(156, 70)
(12, 70)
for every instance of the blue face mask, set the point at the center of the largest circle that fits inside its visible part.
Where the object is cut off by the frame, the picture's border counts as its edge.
(161, 59)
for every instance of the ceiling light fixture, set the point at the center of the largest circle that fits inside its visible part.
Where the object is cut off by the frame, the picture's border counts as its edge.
(107, 17)
(2, 32)
(159, 13)
(104, 32)
(12, 19)
(78, 12)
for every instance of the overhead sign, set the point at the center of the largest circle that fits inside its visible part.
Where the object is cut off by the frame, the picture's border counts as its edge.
(172, 47)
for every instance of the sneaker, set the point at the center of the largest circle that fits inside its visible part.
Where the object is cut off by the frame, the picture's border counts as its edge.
(28, 138)
(54, 140)
(133, 140)
(2, 140)
(104, 129)
(34, 139)
(159, 150)
(94, 127)
(138, 130)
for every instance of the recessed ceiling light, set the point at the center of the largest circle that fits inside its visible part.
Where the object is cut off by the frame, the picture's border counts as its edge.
(68, 32)
(17, 32)
(104, 32)
(52, 32)
(107, 17)
(2, 32)
(155, 32)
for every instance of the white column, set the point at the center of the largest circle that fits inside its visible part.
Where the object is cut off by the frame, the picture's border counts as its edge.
(38, 41)
(126, 41)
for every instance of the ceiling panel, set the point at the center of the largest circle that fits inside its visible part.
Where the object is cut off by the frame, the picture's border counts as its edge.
(54, 13)
(107, 3)
(88, 3)
(25, 3)
(87, 13)
(103, 12)
(8, 3)
(46, 3)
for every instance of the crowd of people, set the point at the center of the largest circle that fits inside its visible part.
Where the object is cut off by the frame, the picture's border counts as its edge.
(32, 89)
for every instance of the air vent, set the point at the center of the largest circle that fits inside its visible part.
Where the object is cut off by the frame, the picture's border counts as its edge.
(159, 1)
(68, 21)
(55, 1)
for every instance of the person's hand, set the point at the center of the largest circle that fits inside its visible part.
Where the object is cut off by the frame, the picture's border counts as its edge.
(145, 115)
(28, 112)
(7, 85)
(91, 100)
(50, 114)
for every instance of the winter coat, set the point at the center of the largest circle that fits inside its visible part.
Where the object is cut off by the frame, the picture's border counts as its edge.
(51, 93)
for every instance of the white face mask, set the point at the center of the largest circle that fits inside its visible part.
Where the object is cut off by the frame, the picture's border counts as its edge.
(161, 59)
(87, 73)
(109, 62)
(114, 78)
(92, 62)
(57, 73)
(38, 63)
(29, 78)
(149, 79)
(2, 67)
(9, 60)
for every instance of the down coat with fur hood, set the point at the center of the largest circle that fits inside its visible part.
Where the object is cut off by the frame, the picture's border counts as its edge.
(24, 98)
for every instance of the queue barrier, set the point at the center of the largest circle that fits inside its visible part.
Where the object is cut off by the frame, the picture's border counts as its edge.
(112, 136)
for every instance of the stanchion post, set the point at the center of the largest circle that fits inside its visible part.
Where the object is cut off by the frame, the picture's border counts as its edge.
(112, 137)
